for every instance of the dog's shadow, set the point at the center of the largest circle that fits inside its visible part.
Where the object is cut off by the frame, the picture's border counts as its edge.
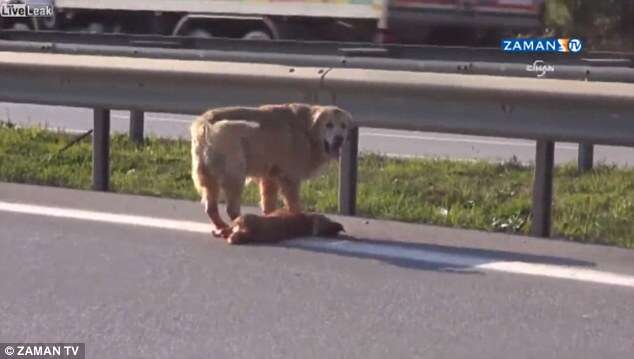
(424, 256)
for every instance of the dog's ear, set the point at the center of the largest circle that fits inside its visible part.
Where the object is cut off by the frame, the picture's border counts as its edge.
(316, 115)
(348, 117)
(316, 118)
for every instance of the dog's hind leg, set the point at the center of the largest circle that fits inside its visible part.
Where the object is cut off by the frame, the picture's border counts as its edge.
(210, 202)
(233, 187)
(207, 187)
(233, 193)
(235, 174)
(268, 195)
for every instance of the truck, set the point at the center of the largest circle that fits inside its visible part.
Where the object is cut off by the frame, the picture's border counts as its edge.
(405, 21)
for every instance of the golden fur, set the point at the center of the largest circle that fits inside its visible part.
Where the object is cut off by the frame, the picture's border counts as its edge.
(277, 226)
(277, 145)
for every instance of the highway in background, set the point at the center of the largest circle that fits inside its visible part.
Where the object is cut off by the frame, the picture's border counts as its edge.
(390, 142)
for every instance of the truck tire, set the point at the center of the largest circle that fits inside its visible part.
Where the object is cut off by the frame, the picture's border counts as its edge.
(96, 28)
(202, 33)
(257, 35)
(50, 23)
(20, 26)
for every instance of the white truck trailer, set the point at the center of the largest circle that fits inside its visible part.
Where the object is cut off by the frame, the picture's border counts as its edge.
(361, 20)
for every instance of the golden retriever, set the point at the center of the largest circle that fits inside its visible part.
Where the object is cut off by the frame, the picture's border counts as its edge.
(277, 145)
(277, 226)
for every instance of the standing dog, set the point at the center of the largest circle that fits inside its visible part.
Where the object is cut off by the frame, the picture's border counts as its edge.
(277, 145)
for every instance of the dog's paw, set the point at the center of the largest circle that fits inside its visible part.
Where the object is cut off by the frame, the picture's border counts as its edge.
(238, 238)
(222, 233)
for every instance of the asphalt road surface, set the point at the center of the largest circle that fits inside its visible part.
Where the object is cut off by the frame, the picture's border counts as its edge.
(395, 143)
(136, 277)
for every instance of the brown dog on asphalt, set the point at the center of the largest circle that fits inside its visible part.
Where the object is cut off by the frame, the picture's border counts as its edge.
(277, 226)
(278, 146)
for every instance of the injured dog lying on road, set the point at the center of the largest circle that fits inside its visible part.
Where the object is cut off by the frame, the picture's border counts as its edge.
(278, 225)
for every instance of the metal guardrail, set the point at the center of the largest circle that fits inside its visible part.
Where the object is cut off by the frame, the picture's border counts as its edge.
(289, 47)
(592, 66)
(542, 110)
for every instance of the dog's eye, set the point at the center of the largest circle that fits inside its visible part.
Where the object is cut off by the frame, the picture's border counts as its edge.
(343, 126)
(329, 125)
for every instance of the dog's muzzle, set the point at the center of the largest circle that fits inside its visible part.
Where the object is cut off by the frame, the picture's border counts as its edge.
(335, 148)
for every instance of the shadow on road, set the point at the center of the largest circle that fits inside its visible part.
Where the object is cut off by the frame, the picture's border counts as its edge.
(423, 256)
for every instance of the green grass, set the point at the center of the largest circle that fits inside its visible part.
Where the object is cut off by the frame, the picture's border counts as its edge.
(597, 207)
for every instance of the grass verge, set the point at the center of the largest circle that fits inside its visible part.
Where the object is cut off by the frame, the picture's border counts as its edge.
(597, 207)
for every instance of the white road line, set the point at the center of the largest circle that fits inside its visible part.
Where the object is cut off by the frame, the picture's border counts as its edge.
(143, 221)
(71, 131)
(460, 140)
(345, 246)
(155, 118)
(439, 157)
(473, 262)
(433, 157)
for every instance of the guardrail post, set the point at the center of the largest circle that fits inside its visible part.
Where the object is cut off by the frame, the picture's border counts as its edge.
(136, 126)
(101, 149)
(585, 157)
(348, 167)
(543, 188)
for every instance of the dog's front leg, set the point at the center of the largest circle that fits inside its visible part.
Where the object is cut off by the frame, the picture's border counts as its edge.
(290, 192)
(268, 195)
(211, 208)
